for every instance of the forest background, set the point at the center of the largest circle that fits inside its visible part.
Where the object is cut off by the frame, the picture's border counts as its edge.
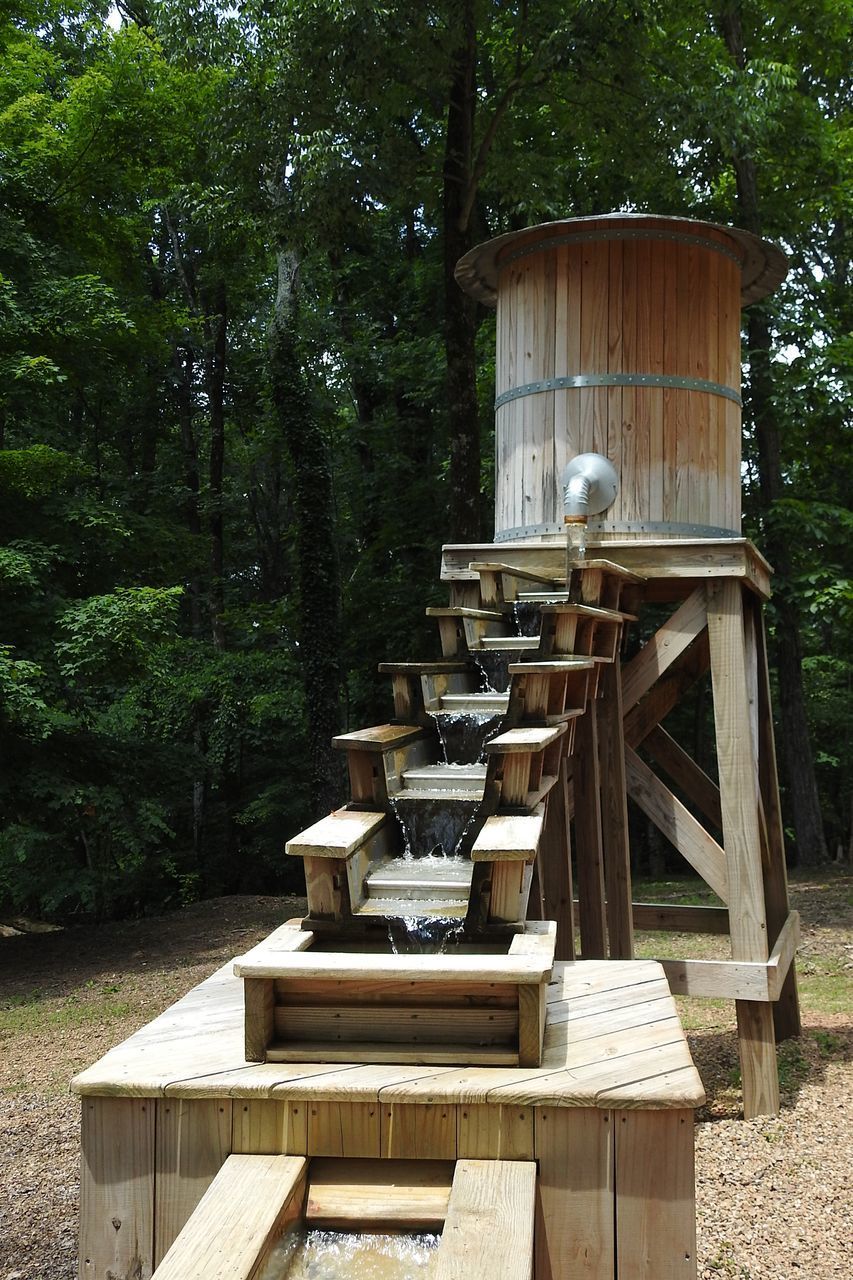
(243, 403)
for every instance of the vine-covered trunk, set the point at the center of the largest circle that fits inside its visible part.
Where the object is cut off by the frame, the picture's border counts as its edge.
(460, 311)
(316, 546)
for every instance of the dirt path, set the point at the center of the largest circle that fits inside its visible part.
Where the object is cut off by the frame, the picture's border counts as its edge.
(773, 1199)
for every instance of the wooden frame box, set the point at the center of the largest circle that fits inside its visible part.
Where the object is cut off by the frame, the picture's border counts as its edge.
(305, 1003)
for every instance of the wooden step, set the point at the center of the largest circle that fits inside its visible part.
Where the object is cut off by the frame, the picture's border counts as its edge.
(553, 667)
(524, 739)
(594, 612)
(338, 835)
(442, 779)
(390, 1195)
(489, 1227)
(425, 668)
(476, 703)
(437, 908)
(461, 611)
(414, 878)
(514, 644)
(509, 837)
(379, 738)
(527, 575)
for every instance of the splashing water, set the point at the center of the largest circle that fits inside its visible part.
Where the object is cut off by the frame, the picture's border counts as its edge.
(464, 734)
(424, 935)
(527, 618)
(433, 827)
(494, 668)
(343, 1255)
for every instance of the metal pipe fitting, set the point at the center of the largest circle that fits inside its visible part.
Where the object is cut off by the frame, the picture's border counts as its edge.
(590, 484)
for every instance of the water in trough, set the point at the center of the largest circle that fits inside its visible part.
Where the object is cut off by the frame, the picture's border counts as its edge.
(342, 1255)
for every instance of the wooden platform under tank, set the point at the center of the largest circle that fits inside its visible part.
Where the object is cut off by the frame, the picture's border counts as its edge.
(608, 1117)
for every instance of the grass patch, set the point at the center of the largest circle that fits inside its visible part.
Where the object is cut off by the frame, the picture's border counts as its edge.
(33, 1011)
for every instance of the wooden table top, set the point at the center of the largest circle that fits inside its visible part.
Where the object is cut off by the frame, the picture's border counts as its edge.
(613, 1039)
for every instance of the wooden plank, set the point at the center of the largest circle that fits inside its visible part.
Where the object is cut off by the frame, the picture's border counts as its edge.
(691, 666)
(655, 1195)
(414, 995)
(677, 823)
(756, 1046)
(574, 1234)
(343, 1129)
(614, 815)
(193, 1142)
(667, 644)
(358, 967)
(247, 1208)
(389, 1195)
(782, 955)
(676, 918)
(261, 1126)
(508, 836)
(396, 1024)
(489, 1225)
(378, 738)
(338, 835)
(524, 739)
(418, 1132)
(117, 1188)
(721, 979)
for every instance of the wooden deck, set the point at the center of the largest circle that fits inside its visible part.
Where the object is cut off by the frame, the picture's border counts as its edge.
(608, 1118)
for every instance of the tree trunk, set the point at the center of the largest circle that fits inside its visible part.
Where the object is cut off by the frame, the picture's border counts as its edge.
(316, 546)
(796, 740)
(215, 357)
(460, 310)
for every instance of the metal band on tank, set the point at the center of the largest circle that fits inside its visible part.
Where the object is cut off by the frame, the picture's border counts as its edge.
(660, 528)
(618, 380)
(589, 237)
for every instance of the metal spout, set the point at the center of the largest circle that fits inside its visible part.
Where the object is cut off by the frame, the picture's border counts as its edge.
(590, 484)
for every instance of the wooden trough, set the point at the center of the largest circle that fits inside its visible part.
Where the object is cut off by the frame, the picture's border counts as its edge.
(306, 1003)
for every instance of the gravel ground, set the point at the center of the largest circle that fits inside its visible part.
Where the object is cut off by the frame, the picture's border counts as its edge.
(772, 1193)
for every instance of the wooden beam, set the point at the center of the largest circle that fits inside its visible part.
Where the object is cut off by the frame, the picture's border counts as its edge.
(667, 644)
(678, 918)
(686, 773)
(677, 823)
(588, 839)
(248, 1206)
(782, 955)
(389, 1195)
(668, 692)
(736, 760)
(489, 1227)
(718, 979)
(555, 860)
(614, 815)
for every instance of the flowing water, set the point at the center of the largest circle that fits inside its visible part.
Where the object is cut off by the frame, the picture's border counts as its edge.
(342, 1255)
(433, 827)
(424, 935)
(575, 546)
(464, 734)
(494, 666)
(527, 617)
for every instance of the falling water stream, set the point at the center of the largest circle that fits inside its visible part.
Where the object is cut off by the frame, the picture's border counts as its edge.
(342, 1255)
(464, 734)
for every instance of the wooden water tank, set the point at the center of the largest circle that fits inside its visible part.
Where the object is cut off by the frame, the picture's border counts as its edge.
(620, 335)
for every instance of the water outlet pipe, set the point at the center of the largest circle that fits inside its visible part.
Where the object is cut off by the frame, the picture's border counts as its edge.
(590, 484)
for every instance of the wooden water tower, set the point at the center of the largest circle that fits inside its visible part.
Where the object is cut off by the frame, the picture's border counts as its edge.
(620, 335)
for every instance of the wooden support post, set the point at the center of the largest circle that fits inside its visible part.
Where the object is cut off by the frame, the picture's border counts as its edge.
(555, 863)
(574, 1209)
(590, 860)
(786, 1010)
(655, 1197)
(614, 815)
(117, 1188)
(736, 756)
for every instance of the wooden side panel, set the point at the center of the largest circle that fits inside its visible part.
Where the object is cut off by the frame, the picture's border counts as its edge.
(614, 815)
(264, 1127)
(590, 866)
(117, 1189)
(258, 1004)
(411, 1131)
(488, 1132)
(574, 1207)
(655, 1195)
(343, 1129)
(193, 1142)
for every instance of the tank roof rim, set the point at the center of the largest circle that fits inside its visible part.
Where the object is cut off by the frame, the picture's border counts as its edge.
(764, 265)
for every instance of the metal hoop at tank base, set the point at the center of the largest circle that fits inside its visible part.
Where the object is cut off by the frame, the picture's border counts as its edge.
(571, 381)
(660, 529)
